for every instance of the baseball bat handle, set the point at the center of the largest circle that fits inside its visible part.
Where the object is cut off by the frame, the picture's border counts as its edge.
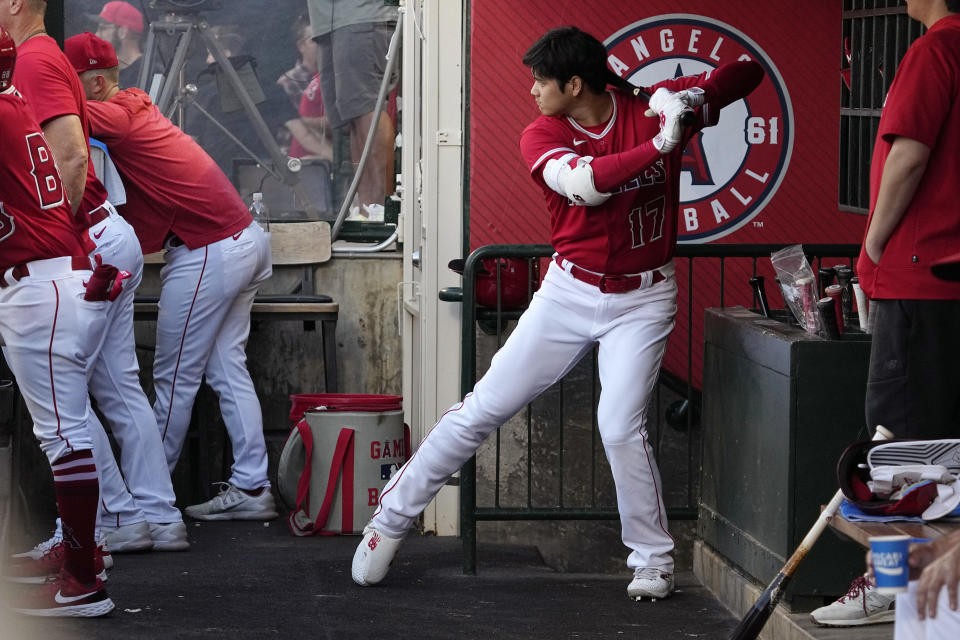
(687, 118)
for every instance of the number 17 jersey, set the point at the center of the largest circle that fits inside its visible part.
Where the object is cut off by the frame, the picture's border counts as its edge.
(636, 228)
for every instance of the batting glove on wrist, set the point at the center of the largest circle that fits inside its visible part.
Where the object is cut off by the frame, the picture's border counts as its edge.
(671, 129)
(658, 101)
(692, 97)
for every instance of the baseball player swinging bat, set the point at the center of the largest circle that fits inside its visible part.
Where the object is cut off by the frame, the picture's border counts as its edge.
(752, 623)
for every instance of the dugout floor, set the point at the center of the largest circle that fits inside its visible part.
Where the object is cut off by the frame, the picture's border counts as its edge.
(244, 580)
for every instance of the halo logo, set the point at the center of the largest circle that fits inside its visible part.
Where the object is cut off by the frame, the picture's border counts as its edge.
(732, 170)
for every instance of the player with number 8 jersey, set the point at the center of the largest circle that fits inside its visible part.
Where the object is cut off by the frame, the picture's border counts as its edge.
(51, 323)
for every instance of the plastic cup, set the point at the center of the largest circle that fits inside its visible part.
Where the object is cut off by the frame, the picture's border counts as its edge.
(889, 557)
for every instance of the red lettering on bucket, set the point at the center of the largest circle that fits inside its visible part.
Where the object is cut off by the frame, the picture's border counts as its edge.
(387, 449)
(373, 496)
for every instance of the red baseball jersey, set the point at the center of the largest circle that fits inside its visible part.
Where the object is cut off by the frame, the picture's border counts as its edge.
(35, 220)
(51, 86)
(171, 182)
(636, 228)
(922, 105)
(311, 106)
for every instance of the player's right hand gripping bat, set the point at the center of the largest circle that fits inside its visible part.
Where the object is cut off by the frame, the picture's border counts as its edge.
(752, 623)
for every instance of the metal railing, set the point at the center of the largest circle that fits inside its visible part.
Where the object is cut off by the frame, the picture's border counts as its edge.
(690, 261)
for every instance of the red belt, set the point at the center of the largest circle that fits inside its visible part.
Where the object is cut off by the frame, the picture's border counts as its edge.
(98, 214)
(20, 271)
(608, 283)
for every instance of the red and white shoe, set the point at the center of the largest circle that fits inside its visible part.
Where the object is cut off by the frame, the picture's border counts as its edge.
(64, 596)
(373, 557)
(37, 571)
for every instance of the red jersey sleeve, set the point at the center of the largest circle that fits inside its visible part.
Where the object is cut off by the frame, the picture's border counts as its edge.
(542, 140)
(110, 123)
(918, 104)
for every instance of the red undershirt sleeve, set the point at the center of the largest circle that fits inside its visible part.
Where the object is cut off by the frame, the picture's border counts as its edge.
(611, 171)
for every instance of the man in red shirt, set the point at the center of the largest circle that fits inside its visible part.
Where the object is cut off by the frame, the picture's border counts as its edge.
(179, 200)
(137, 509)
(49, 327)
(610, 177)
(914, 222)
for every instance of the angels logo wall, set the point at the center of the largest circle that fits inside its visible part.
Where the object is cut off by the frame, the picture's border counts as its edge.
(733, 169)
(767, 173)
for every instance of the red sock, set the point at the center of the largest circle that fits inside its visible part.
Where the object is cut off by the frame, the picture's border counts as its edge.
(78, 496)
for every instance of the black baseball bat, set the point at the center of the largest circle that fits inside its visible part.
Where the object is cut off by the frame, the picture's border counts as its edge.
(752, 624)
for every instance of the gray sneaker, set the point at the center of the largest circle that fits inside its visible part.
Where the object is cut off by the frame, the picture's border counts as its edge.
(650, 582)
(169, 536)
(128, 538)
(233, 504)
(860, 605)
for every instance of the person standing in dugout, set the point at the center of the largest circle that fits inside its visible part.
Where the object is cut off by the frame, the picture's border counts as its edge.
(52, 318)
(610, 176)
(216, 258)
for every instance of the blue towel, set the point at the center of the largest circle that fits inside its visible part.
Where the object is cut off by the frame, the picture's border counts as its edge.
(853, 514)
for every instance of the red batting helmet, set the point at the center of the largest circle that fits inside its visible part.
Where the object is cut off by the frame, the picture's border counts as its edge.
(8, 59)
(517, 279)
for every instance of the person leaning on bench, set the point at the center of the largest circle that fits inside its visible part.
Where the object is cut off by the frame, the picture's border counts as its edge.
(216, 257)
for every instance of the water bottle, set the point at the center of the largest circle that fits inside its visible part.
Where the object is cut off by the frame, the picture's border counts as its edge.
(259, 212)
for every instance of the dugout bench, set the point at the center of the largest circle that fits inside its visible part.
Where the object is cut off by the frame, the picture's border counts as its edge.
(861, 532)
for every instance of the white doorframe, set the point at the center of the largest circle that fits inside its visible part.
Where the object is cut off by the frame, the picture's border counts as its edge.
(432, 212)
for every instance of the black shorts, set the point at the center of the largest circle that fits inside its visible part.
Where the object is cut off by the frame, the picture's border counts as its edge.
(913, 387)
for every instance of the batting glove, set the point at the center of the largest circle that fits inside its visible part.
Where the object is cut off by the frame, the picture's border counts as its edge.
(671, 129)
(658, 101)
(692, 97)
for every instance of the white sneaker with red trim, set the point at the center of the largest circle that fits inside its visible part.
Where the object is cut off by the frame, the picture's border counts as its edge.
(860, 605)
(373, 557)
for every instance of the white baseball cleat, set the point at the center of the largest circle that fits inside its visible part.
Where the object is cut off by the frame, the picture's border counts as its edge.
(373, 557)
(650, 582)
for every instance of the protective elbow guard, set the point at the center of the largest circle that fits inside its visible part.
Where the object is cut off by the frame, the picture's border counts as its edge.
(576, 183)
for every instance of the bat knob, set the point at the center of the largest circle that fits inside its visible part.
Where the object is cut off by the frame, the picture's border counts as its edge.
(883, 433)
(687, 118)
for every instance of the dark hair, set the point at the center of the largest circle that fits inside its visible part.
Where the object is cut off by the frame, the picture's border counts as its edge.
(953, 6)
(566, 52)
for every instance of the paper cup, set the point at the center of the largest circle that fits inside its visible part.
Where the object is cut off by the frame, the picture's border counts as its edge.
(889, 557)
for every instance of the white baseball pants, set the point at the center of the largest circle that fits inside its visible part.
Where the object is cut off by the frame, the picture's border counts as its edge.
(144, 491)
(565, 320)
(202, 329)
(49, 333)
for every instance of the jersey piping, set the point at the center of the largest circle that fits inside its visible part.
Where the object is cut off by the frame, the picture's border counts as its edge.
(606, 129)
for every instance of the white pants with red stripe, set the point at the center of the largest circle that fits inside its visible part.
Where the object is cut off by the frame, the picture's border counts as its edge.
(49, 334)
(144, 491)
(566, 319)
(202, 329)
